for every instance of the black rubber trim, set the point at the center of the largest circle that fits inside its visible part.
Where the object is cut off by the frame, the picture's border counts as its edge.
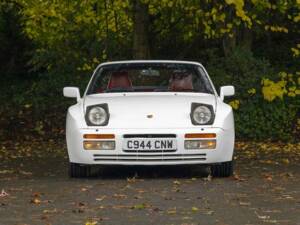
(156, 155)
(210, 122)
(79, 171)
(88, 108)
(224, 169)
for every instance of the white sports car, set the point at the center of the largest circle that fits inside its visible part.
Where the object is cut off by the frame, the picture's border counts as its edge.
(150, 113)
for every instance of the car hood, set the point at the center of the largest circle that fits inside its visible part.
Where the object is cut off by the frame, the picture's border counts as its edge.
(149, 110)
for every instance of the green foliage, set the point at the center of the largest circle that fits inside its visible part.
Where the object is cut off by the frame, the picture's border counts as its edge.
(240, 69)
(38, 94)
(75, 36)
(13, 42)
(255, 117)
(257, 120)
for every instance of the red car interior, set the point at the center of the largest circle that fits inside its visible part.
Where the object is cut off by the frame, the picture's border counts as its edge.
(181, 83)
(119, 80)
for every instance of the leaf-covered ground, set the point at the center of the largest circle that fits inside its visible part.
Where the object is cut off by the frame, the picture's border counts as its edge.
(35, 189)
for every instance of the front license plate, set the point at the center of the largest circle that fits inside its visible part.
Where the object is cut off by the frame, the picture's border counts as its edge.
(149, 144)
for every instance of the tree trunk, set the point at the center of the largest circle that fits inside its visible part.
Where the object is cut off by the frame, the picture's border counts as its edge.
(141, 49)
(242, 39)
(229, 44)
(246, 38)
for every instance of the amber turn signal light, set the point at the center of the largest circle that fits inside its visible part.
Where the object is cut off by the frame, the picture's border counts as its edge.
(199, 135)
(99, 136)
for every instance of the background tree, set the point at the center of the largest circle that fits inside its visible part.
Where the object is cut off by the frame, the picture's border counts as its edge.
(253, 45)
(141, 48)
(14, 45)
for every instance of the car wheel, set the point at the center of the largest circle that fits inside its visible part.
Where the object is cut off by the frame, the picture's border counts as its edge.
(224, 169)
(79, 171)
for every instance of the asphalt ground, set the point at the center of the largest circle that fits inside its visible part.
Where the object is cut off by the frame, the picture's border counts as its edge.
(36, 189)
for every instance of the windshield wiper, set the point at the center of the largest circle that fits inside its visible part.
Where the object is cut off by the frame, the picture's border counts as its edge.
(111, 90)
(161, 90)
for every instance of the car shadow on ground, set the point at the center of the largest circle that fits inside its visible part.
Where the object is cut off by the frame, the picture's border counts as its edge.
(148, 172)
(42, 168)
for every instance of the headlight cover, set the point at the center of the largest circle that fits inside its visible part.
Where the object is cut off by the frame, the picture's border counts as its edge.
(202, 114)
(200, 144)
(97, 115)
(99, 145)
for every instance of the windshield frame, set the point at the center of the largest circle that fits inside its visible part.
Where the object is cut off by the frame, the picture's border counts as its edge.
(200, 69)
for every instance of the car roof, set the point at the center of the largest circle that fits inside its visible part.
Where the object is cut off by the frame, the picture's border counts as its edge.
(149, 61)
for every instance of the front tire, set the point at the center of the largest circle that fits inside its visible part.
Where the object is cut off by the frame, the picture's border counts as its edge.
(224, 169)
(79, 171)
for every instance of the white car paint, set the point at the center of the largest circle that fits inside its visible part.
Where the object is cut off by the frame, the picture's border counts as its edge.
(171, 115)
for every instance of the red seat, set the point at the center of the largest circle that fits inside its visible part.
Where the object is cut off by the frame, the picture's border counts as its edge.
(119, 80)
(181, 82)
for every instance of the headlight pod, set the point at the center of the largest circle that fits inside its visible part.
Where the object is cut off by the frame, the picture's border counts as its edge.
(97, 115)
(202, 114)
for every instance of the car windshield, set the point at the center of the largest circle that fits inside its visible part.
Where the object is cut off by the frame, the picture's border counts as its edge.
(150, 77)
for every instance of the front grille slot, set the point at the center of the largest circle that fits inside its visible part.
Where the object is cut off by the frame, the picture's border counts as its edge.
(150, 160)
(149, 135)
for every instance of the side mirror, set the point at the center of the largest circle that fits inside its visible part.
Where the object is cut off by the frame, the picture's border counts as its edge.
(226, 91)
(72, 92)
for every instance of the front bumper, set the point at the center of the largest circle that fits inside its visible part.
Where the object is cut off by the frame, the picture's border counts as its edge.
(181, 156)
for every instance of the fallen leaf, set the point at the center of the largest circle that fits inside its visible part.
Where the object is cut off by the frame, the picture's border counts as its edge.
(121, 207)
(140, 206)
(35, 201)
(91, 223)
(133, 179)
(210, 212)
(245, 203)
(3, 193)
(285, 161)
(6, 171)
(176, 182)
(208, 178)
(290, 175)
(270, 221)
(238, 178)
(81, 204)
(25, 173)
(195, 209)
(172, 211)
(48, 211)
(268, 177)
(101, 198)
(120, 196)
(261, 217)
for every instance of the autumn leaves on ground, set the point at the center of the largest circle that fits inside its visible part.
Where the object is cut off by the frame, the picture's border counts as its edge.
(35, 189)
